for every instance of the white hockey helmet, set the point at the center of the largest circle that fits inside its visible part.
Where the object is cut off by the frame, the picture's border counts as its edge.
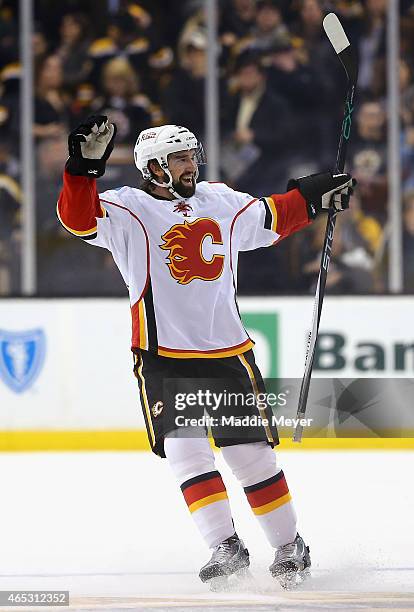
(157, 143)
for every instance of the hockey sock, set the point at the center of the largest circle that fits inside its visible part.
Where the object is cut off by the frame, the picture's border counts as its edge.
(192, 462)
(254, 465)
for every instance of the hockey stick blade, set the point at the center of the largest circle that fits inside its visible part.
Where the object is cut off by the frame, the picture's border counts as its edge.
(339, 40)
(347, 56)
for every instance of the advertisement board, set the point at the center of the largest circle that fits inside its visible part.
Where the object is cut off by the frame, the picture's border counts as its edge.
(65, 365)
(358, 336)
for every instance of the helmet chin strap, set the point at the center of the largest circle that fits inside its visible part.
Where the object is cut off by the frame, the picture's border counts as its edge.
(169, 185)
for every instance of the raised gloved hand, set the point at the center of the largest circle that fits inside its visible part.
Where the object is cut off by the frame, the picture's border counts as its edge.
(90, 146)
(324, 190)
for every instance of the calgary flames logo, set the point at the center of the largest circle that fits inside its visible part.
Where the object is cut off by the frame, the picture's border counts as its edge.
(184, 241)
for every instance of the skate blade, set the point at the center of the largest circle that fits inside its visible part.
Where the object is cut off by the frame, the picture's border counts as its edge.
(218, 584)
(292, 580)
(235, 582)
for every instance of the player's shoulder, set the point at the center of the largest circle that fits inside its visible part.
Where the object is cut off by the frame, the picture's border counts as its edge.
(211, 186)
(127, 198)
(235, 199)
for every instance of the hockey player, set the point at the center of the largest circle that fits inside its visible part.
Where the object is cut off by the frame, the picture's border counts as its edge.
(176, 243)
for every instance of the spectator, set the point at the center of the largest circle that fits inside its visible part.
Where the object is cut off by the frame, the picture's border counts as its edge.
(368, 158)
(183, 99)
(367, 227)
(407, 32)
(238, 18)
(406, 92)
(407, 124)
(130, 33)
(73, 49)
(408, 242)
(51, 103)
(195, 23)
(407, 157)
(256, 128)
(125, 106)
(40, 47)
(10, 203)
(8, 36)
(309, 23)
(252, 159)
(350, 12)
(9, 105)
(351, 268)
(269, 27)
(371, 44)
(303, 90)
(314, 51)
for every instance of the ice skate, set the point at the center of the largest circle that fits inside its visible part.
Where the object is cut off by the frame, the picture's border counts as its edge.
(292, 563)
(228, 558)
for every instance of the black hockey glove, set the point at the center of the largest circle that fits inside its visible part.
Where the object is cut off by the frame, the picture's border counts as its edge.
(324, 190)
(90, 146)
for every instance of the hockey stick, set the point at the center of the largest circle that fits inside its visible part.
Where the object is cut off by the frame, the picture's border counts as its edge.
(346, 54)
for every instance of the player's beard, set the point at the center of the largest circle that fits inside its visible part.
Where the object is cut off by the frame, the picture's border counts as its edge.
(185, 191)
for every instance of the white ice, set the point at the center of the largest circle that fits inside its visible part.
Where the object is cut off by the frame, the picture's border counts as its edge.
(115, 524)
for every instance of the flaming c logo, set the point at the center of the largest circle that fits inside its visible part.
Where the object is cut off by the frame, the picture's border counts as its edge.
(184, 241)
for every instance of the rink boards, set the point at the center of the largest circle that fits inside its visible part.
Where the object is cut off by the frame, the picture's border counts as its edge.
(66, 378)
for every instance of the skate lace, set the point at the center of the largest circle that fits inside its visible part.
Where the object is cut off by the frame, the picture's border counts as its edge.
(286, 551)
(222, 552)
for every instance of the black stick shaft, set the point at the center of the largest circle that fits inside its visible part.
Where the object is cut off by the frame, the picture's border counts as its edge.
(323, 270)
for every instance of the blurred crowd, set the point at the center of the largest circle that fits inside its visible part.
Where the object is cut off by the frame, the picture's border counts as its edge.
(281, 104)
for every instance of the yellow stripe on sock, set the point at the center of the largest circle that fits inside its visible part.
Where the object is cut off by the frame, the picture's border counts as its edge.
(276, 503)
(210, 499)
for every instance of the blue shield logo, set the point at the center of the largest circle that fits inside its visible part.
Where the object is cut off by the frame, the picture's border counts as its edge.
(22, 355)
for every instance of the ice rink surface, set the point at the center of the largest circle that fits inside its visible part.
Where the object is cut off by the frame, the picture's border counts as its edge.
(113, 529)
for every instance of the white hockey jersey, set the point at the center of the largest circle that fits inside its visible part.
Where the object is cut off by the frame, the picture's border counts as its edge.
(178, 258)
